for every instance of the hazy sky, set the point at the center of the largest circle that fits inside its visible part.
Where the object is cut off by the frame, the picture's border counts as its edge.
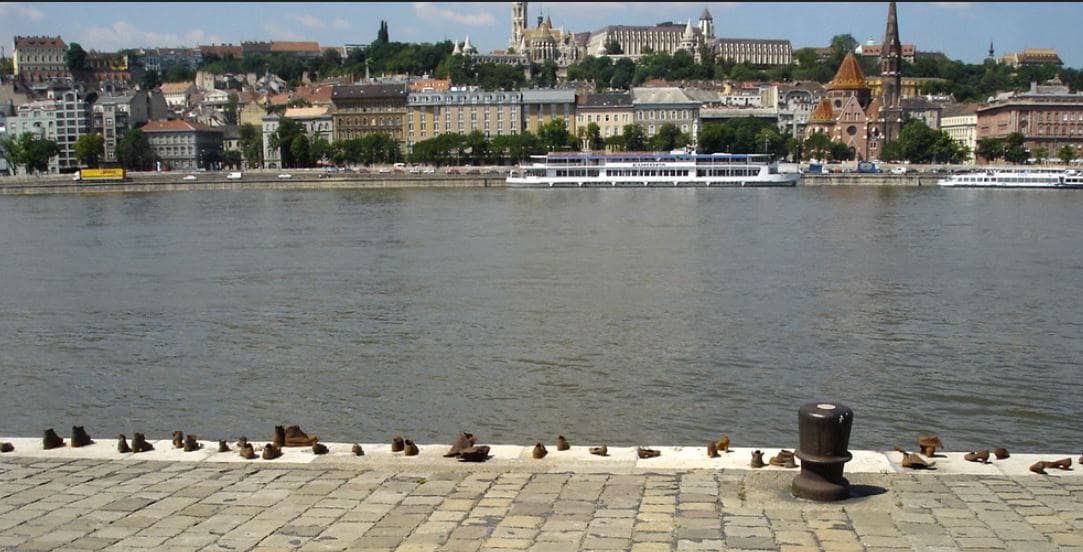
(961, 30)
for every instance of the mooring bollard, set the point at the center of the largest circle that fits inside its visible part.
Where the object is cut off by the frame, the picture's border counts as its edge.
(824, 437)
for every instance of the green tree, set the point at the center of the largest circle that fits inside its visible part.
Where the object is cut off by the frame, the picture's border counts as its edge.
(817, 146)
(478, 147)
(554, 135)
(282, 139)
(75, 57)
(178, 73)
(634, 138)
(613, 47)
(134, 151)
(1066, 153)
(230, 111)
(7, 66)
(28, 150)
(151, 80)
(593, 136)
(1040, 154)
(89, 149)
(251, 143)
(382, 36)
(989, 149)
(668, 138)
(232, 159)
(1014, 149)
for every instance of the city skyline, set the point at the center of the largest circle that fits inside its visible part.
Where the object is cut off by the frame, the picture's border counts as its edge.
(960, 30)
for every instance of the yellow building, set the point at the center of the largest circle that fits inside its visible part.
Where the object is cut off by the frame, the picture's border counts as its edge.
(462, 111)
(542, 106)
(911, 86)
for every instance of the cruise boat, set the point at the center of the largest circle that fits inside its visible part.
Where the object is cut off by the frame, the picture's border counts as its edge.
(1027, 177)
(659, 169)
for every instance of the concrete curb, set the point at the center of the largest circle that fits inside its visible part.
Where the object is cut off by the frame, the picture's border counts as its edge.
(518, 458)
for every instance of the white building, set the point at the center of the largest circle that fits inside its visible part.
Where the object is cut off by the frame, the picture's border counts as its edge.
(654, 107)
(317, 122)
(62, 118)
(961, 123)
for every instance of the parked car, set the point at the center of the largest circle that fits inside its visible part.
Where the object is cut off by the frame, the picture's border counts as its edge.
(233, 176)
(898, 170)
(189, 177)
(284, 175)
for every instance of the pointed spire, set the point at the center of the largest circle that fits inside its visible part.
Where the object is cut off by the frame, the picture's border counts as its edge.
(688, 33)
(891, 34)
(849, 76)
(705, 15)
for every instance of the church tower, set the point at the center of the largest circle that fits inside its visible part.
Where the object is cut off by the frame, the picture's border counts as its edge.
(518, 24)
(706, 25)
(891, 77)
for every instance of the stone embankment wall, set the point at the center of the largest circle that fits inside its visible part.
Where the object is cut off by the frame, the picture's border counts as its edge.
(170, 182)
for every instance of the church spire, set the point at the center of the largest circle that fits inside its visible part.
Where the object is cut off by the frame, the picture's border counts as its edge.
(891, 77)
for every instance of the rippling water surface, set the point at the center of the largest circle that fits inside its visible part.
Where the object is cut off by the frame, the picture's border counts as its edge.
(633, 317)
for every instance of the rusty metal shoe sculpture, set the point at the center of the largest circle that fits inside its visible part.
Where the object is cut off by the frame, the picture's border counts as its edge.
(294, 437)
(222, 446)
(357, 450)
(1039, 467)
(397, 444)
(191, 444)
(600, 451)
(409, 448)
(1062, 464)
(723, 444)
(647, 453)
(319, 448)
(913, 461)
(929, 444)
(248, 452)
(178, 439)
(51, 440)
(140, 444)
(462, 442)
(539, 451)
(981, 456)
(562, 443)
(757, 459)
(271, 451)
(122, 444)
(784, 459)
(1001, 453)
(7, 447)
(712, 449)
(475, 453)
(79, 437)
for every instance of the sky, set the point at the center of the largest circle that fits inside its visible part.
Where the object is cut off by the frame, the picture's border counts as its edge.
(961, 30)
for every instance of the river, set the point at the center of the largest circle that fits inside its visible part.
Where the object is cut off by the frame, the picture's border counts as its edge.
(629, 317)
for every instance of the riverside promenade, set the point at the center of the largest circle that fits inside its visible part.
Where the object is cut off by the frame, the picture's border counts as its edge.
(93, 497)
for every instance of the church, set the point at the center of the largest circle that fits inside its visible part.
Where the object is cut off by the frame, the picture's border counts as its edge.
(850, 114)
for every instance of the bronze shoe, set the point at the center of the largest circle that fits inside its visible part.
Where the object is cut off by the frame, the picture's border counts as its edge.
(222, 446)
(397, 444)
(1039, 467)
(981, 456)
(757, 459)
(723, 444)
(712, 449)
(1001, 453)
(463, 441)
(51, 440)
(914, 461)
(294, 437)
(539, 451)
(271, 451)
(178, 439)
(929, 444)
(279, 437)
(191, 444)
(79, 437)
(1062, 464)
(319, 448)
(562, 443)
(647, 453)
(6, 447)
(247, 452)
(409, 448)
(242, 442)
(600, 451)
(140, 444)
(122, 444)
(476, 453)
(784, 459)
(357, 450)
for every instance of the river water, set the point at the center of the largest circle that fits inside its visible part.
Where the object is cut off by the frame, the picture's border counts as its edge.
(630, 317)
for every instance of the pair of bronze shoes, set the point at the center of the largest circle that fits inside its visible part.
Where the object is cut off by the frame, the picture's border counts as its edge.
(713, 447)
(562, 443)
(245, 449)
(79, 437)
(292, 436)
(757, 459)
(463, 442)
(6, 447)
(599, 451)
(271, 451)
(357, 450)
(1041, 465)
(914, 461)
(188, 442)
(51, 440)
(539, 451)
(405, 446)
(929, 444)
(982, 456)
(647, 453)
(784, 459)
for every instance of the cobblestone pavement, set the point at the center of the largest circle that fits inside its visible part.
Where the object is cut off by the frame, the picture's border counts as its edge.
(90, 504)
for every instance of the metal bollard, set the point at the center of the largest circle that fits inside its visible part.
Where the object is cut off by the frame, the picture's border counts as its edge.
(824, 437)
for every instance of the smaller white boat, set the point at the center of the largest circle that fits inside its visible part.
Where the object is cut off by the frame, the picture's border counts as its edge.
(1023, 177)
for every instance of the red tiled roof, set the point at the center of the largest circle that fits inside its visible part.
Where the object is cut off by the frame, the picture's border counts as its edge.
(849, 76)
(39, 41)
(309, 47)
(176, 125)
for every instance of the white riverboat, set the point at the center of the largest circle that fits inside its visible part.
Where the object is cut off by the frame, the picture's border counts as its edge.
(659, 169)
(1026, 177)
